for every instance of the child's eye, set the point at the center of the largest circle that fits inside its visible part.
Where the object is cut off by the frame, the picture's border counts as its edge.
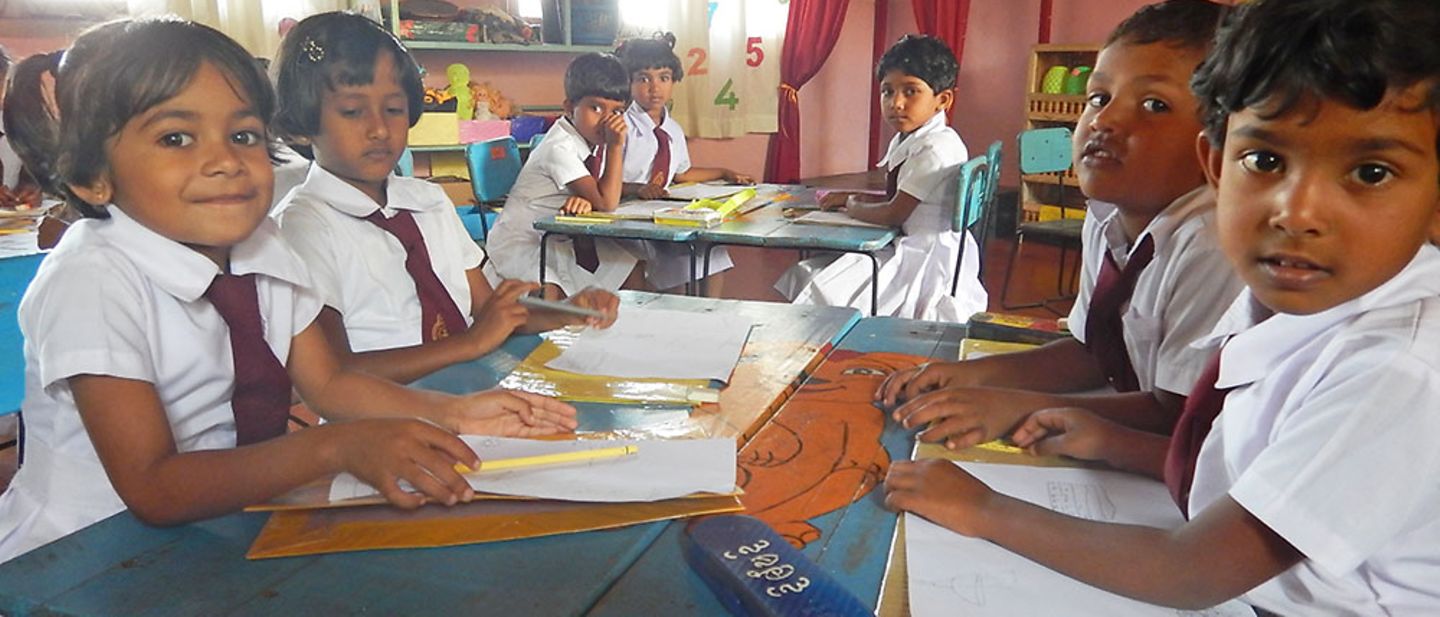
(1098, 99)
(176, 140)
(247, 138)
(1261, 162)
(349, 113)
(397, 111)
(1155, 106)
(1372, 174)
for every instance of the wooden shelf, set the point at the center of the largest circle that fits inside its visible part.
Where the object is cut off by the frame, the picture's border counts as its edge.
(467, 46)
(1068, 180)
(1043, 110)
(455, 147)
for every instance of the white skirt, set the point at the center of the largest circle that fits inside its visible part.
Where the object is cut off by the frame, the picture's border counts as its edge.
(915, 275)
(667, 264)
(515, 254)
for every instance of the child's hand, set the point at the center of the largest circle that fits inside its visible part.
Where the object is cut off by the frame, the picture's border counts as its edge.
(381, 452)
(905, 385)
(833, 201)
(652, 191)
(940, 491)
(601, 300)
(1065, 431)
(963, 417)
(509, 413)
(576, 205)
(735, 177)
(614, 129)
(498, 318)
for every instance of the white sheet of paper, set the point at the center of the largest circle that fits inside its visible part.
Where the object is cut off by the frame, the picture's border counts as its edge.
(662, 344)
(662, 469)
(822, 217)
(951, 574)
(642, 210)
(703, 191)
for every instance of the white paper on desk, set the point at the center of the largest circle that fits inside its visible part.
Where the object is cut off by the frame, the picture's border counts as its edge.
(661, 469)
(661, 344)
(951, 574)
(691, 192)
(823, 217)
(641, 209)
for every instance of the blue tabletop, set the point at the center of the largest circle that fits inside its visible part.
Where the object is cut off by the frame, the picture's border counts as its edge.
(629, 230)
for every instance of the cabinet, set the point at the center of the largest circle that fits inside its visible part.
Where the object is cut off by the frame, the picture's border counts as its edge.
(1043, 195)
(561, 17)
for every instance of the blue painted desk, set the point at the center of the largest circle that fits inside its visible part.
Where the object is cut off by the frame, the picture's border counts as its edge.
(619, 230)
(120, 566)
(19, 259)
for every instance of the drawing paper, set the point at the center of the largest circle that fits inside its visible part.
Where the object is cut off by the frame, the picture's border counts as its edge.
(663, 344)
(822, 217)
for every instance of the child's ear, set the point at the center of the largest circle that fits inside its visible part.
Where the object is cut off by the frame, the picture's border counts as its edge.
(1211, 158)
(97, 193)
(1435, 224)
(946, 98)
(569, 106)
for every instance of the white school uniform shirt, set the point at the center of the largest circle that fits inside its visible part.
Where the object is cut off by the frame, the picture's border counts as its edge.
(915, 271)
(667, 264)
(642, 145)
(117, 299)
(539, 192)
(1178, 297)
(1329, 440)
(359, 268)
(9, 159)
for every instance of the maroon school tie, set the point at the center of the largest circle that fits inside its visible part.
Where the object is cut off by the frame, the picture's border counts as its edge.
(660, 167)
(439, 317)
(892, 182)
(1201, 409)
(584, 246)
(1104, 330)
(261, 402)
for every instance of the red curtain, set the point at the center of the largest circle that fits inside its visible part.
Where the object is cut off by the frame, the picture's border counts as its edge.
(945, 20)
(810, 35)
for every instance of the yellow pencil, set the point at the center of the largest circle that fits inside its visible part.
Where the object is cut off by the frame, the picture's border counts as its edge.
(523, 462)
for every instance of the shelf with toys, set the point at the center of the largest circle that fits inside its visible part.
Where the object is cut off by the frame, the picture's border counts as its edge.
(568, 26)
(1055, 96)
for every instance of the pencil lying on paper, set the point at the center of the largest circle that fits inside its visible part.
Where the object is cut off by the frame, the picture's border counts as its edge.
(563, 307)
(559, 458)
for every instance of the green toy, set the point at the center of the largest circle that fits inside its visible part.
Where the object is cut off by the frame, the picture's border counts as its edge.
(459, 77)
(1054, 80)
(1076, 80)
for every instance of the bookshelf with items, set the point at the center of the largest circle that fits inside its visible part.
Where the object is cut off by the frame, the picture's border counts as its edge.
(1055, 96)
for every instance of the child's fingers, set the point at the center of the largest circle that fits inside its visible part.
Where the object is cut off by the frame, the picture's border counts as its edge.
(543, 410)
(422, 476)
(390, 490)
(891, 387)
(510, 290)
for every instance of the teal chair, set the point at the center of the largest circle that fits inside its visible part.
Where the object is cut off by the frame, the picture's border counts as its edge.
(406, 165)
(1047, 151)
(971, 211)
(493, 165)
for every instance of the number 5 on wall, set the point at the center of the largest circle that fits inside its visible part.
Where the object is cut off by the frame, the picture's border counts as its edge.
(753, 54)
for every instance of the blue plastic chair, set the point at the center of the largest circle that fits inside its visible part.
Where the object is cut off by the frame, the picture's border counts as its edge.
(1047, 151)
(494, 165)
(970, 213)
(406, 165)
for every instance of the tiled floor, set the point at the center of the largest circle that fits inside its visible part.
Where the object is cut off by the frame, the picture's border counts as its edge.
(757, 269)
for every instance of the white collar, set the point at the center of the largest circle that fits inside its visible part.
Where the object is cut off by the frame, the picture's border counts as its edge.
(574, 133)
(902, 145)
(643, 120)
(1160, 229)
(185, 273)
(330, 189)
(1261, 339)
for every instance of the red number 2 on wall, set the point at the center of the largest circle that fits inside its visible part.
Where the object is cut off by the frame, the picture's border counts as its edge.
(698, 55)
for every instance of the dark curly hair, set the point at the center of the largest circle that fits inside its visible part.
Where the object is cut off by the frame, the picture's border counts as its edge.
(652, 53)
(1277, 52)
(922, 56)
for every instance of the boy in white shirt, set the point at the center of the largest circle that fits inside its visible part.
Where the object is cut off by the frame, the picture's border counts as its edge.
(1149, 246)
(1314, 489)
(656, 155)
(576, 168)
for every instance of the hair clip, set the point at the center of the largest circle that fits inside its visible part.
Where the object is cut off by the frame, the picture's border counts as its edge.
(313, 50)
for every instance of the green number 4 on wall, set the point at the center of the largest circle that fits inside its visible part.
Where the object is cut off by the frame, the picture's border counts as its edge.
(726, 97)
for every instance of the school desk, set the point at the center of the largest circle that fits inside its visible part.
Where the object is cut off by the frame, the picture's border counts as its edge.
(617, 230)
(19, 259)
(120, 566)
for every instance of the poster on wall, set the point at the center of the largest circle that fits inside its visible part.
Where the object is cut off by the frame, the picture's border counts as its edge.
(730, 52)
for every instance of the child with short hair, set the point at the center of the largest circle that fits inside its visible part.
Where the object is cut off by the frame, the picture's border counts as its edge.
(399, 274)
(1153, 278)
(163, 334)
(577, 167)
(1314, 491)
(917, 86)
(656, 155)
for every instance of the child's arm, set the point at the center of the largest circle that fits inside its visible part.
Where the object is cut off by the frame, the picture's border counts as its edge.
(891, 213)
(486, 301)
(340, 394)
(604, 194)
(131, 433)
(1220, 554)
(1058, 366)
(706, 174)
(1080, 434)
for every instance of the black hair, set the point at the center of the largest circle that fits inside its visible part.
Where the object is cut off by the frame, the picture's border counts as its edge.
(657, 52)
(921, 56)
(326, 51)
(1183, 24)
(5, 62)
(111, 74)
(1277, 52)
(599, 75)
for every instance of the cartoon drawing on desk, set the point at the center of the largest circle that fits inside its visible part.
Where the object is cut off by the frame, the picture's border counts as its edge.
(823, 450)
